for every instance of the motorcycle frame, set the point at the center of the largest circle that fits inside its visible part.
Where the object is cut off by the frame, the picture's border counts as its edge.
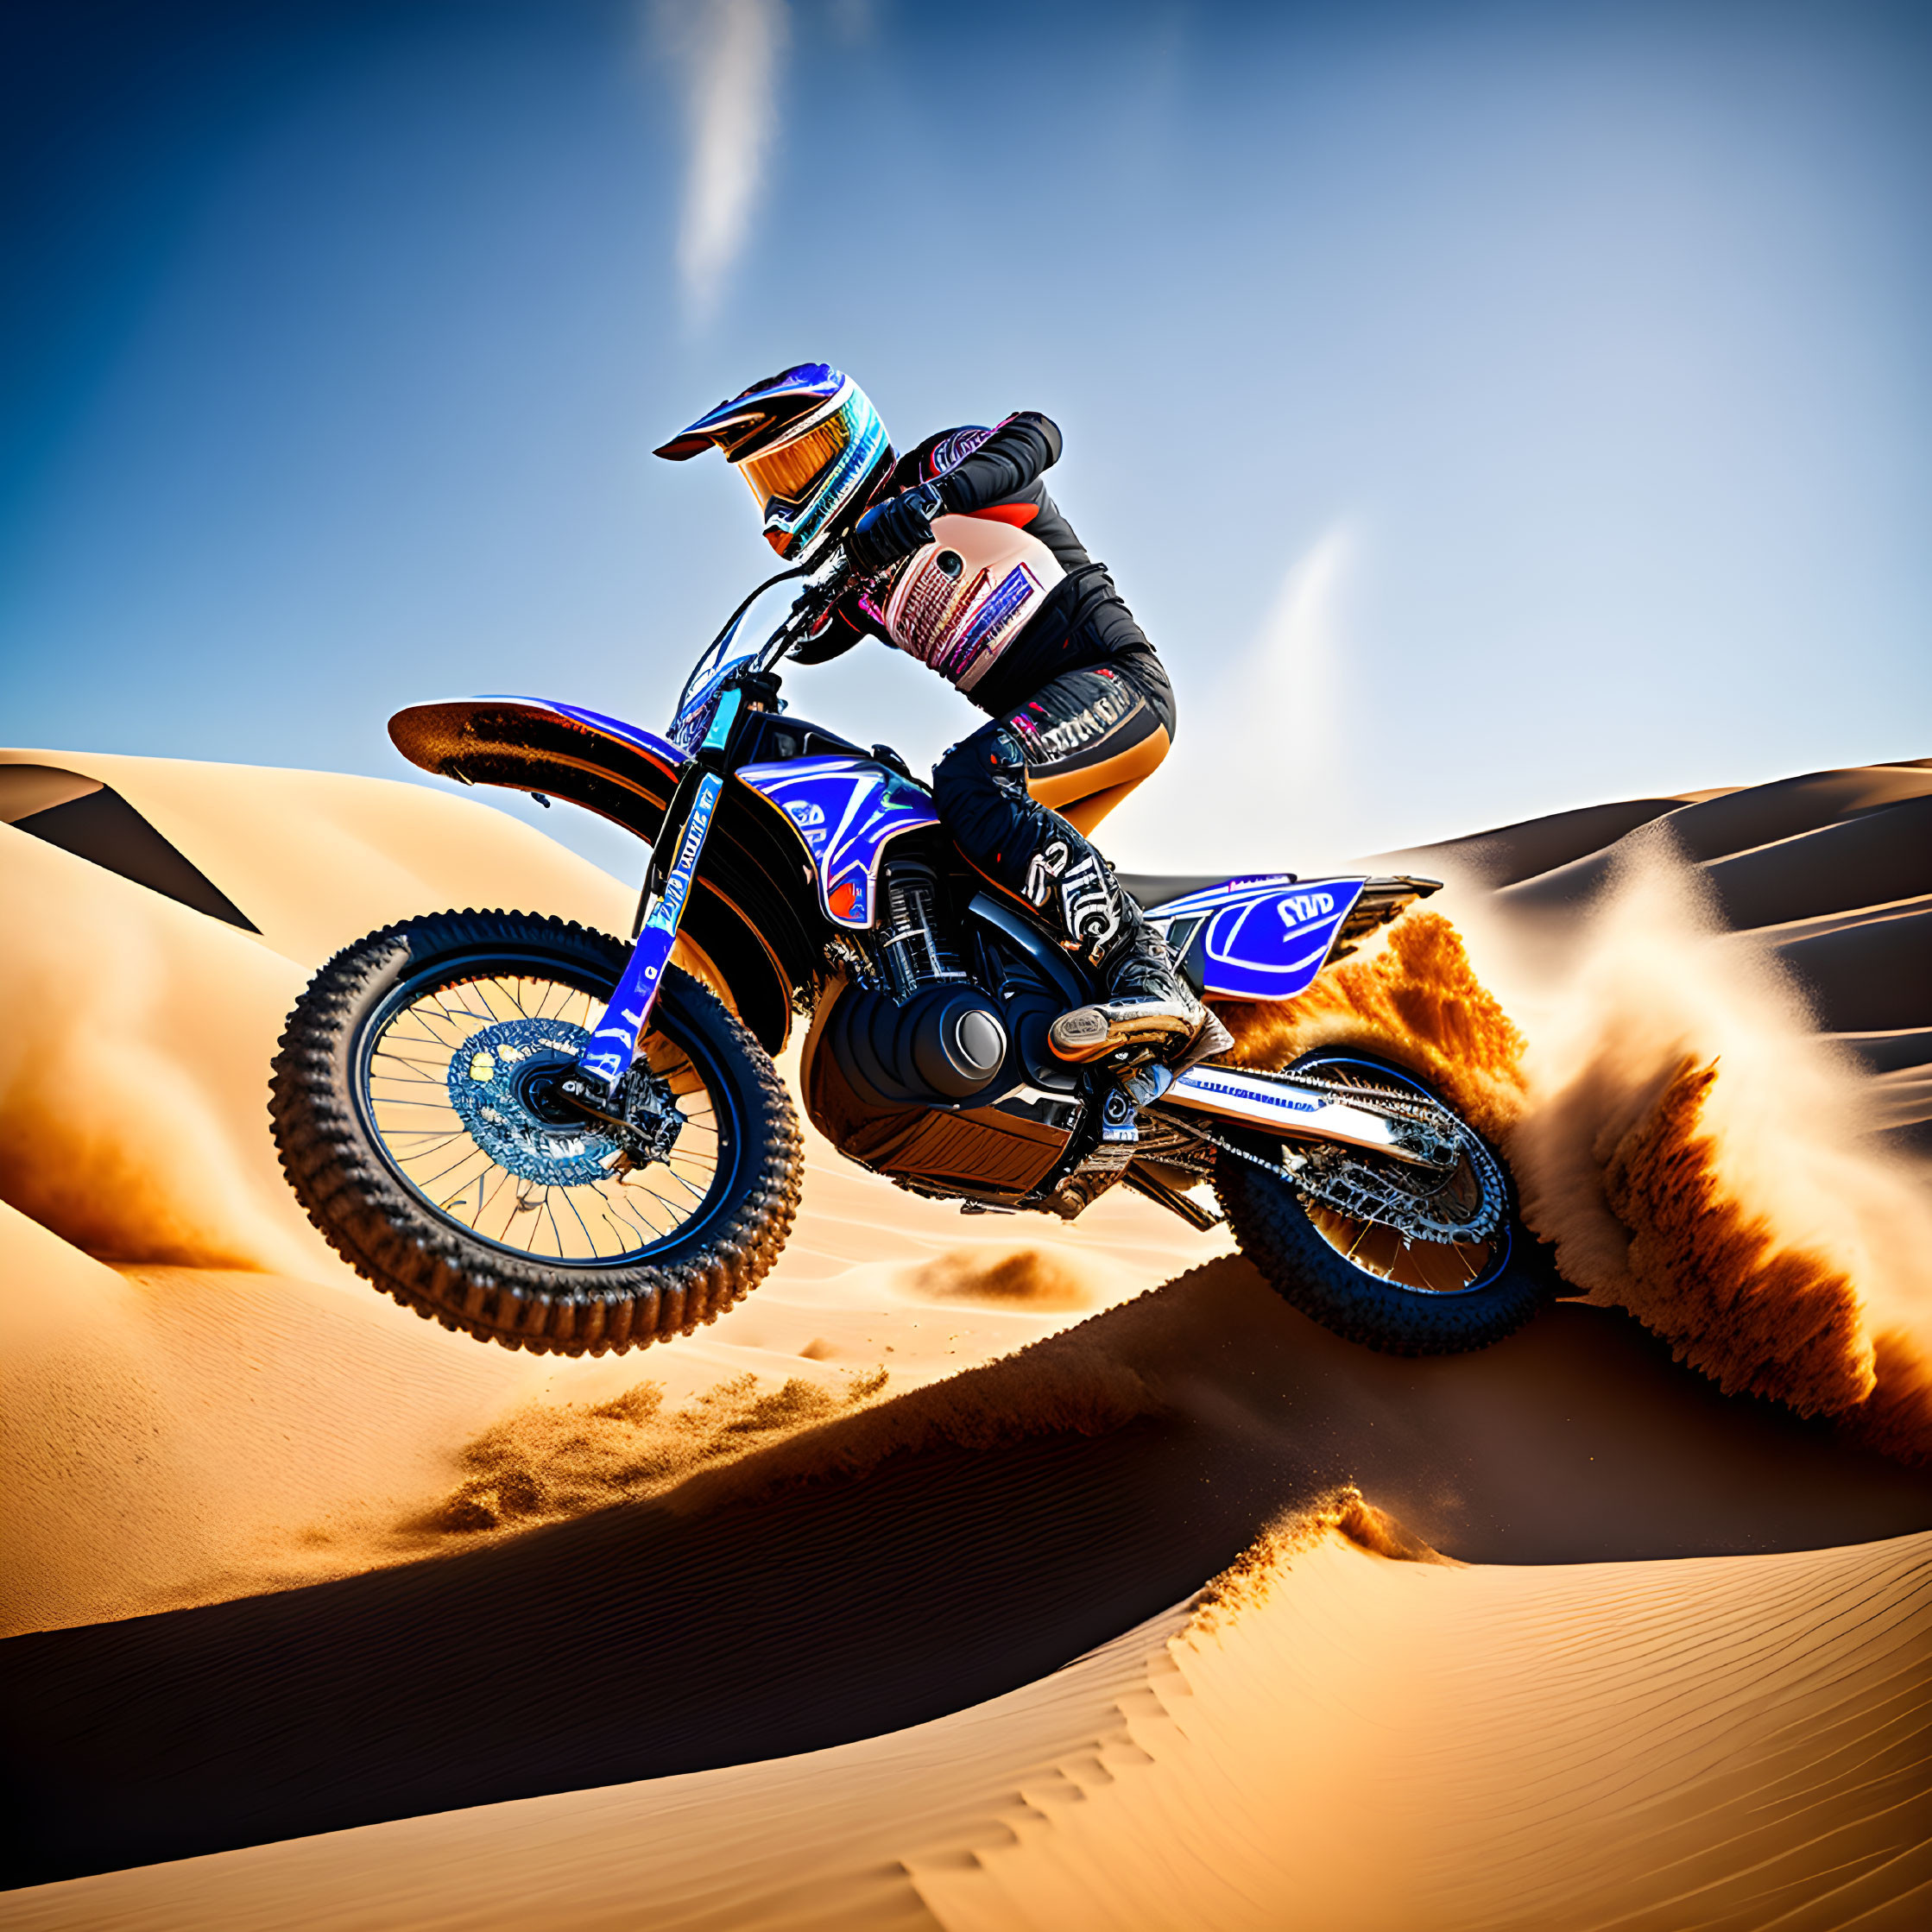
(1277, 1105)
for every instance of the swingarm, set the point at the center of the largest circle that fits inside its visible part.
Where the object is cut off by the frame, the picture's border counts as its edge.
(1304, 1110)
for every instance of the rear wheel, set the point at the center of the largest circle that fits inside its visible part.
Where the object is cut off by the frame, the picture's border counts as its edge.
(419, 1110)
(1371, 1279)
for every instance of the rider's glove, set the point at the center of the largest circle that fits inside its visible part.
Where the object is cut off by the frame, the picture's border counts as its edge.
(894, 528)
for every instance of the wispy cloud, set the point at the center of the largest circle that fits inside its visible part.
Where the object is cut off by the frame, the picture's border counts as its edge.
(1284, 701)
(1259, 779)
(854, 21)
(727, 53)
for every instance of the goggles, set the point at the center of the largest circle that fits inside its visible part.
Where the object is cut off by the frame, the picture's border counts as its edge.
(803, 483)
(788, 472)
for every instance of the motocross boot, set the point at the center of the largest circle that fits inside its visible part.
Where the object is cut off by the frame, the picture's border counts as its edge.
(1148, 1003)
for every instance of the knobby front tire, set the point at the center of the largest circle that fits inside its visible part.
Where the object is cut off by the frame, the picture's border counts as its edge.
(480, 1203)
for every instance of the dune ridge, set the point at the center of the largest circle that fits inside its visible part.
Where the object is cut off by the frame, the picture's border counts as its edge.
(1729, 1743)
(1264, 1566)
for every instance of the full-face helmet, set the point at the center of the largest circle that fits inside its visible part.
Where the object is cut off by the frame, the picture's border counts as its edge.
(808, 442)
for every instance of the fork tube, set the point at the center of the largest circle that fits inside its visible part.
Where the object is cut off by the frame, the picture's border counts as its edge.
(614, 1038)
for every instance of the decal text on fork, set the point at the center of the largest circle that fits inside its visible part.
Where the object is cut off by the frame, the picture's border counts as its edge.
(614, 1038)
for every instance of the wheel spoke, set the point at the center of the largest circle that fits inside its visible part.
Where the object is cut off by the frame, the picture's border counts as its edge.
(570, 1203)
(497, 1169)
(631, 1206)
(1440, 1266)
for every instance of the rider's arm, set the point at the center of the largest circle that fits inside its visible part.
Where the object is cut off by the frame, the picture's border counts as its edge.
(1016, 453)
(1008, 461)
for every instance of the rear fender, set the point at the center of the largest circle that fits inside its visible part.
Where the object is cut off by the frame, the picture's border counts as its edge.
(1268, 936)
(1258, 938)
(751, 914)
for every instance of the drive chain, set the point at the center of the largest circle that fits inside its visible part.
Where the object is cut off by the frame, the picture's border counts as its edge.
(1337, 1178)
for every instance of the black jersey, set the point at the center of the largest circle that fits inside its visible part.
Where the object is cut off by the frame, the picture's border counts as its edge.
(994, 475)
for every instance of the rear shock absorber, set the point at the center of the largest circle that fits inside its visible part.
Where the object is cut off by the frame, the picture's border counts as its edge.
(915, 956)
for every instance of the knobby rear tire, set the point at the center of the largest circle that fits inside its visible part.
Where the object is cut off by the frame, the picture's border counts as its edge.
(394, 1237)
(1268, 1218)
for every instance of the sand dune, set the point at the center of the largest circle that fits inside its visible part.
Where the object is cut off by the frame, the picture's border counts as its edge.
(1355, 1742)
(773, 1624)
(174, 1330)
(1711, 1744)
(874, 1572)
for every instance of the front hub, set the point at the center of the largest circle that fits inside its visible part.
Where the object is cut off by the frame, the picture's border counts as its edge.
(506, 1084)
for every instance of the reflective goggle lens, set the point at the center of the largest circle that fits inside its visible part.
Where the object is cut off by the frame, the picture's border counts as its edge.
(790, 470)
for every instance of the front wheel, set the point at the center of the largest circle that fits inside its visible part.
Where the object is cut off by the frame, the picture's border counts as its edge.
(419, 1110)
(1366, 1279)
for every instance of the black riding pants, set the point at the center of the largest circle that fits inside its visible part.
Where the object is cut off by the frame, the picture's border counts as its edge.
(1019, 795)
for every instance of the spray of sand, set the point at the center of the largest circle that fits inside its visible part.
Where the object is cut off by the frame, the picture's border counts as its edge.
(1254, 1575)
(1074, 1383)
(1701, 1156)
(546, 1461)
(1414, 996)
(1679, 1131)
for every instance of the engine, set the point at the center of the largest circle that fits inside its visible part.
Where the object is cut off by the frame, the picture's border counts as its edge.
(913, 1027)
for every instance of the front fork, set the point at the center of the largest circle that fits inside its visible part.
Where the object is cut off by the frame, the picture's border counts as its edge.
(613, 1044)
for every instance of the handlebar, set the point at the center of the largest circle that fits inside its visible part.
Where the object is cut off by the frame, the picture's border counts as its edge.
(826, 582)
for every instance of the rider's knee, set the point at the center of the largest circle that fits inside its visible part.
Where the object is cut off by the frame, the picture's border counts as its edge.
(988, 761)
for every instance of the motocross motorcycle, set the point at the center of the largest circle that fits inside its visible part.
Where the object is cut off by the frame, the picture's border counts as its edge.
(541, 1135)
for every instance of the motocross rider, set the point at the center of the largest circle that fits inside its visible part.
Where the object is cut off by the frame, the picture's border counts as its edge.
(960, 559)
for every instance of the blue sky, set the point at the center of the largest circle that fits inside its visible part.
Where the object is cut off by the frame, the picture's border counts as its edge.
(1487, 408)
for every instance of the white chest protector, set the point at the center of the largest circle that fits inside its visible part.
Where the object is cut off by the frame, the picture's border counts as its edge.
(959, 601)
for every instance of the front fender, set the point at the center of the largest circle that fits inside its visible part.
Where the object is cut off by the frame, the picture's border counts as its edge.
(754, 914)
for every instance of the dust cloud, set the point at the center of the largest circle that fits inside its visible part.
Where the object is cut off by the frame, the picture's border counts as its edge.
(1026, 1277)
(1701, 1157)
(128, 1125)
(1695, 1153)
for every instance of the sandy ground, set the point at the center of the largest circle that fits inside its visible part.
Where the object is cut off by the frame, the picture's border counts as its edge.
(1724, 1742)
(782, 1642)
(288, 1418)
